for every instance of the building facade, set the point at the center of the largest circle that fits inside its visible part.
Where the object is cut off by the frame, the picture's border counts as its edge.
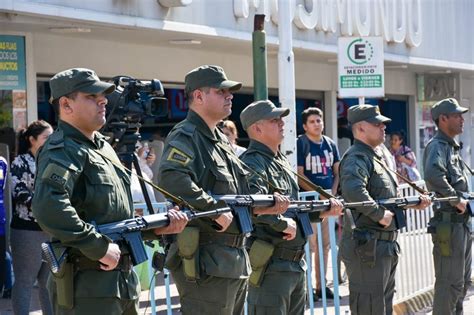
(428, 51)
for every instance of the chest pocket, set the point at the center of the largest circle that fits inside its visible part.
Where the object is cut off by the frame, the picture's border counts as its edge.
(101, 193)
(454, 170)
(380, 183)
(222, 181)
(278, 180)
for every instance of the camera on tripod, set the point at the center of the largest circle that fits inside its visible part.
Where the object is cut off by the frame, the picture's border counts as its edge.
(131, 105)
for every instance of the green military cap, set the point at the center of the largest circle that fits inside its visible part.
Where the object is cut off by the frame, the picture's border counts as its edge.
(365, 112)
(447, 106)
(78, 80)
(209, 76)
(261, 110)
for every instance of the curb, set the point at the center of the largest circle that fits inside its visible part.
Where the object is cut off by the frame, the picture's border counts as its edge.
(415, 303)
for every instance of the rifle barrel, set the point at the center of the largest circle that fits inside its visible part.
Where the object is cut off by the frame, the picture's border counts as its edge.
(210, 213)
(445, 199)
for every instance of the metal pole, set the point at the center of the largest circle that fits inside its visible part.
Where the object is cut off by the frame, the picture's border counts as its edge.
(259, 46)
(286, 78)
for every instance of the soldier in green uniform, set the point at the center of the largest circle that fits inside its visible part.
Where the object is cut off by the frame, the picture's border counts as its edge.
(446, 175)
(369, 250)
(278, 283)
(208, 260)
(77, 186)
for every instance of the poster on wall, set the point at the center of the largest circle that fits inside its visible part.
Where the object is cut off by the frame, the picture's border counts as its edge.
(12, 82)
(19, 109)
(12, 63)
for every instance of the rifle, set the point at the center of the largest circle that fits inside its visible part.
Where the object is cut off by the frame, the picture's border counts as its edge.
(298, 209)
(245, 202)
(397, 205)
(241, 207)
(126, 233)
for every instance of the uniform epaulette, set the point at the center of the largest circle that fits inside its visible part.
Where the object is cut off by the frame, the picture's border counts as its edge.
(188, 129)
(56, 140)
(442, 142)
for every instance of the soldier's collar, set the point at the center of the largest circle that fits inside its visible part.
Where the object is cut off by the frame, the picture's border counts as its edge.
(201, 125)
(74, 133)
(255, 145)
(443, 136)
(365, 147)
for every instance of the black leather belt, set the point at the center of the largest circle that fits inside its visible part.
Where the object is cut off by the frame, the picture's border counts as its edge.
(288, 254)
(230, 240)
(84, 263)
(390, 236)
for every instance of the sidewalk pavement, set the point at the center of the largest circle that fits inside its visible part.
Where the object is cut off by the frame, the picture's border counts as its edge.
(160, 300)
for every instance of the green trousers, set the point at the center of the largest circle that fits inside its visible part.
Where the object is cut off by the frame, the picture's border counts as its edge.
(453, 273)
(210, 295)
(371, 287)
(280, 293)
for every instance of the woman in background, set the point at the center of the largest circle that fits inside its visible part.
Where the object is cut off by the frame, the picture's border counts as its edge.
(230, 130)
(26, 235)
(404, 156)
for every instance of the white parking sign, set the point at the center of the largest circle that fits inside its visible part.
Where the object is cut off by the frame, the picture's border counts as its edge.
(360, 67)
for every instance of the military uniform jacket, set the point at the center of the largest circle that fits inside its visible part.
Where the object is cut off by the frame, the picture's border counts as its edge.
(362, 178)
(444, 171)
(273, 169)
(74, 187)
(196, 164)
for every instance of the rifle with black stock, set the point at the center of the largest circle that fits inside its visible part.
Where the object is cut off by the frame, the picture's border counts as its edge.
(395, 205)
(298, 209)
(127, 233)
(246, 202)
(398, 204)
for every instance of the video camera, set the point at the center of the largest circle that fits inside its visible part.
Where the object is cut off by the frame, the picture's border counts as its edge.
(134, 101)
(132, 104)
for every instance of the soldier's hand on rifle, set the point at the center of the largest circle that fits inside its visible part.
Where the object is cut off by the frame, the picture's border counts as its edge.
(224, 220)
(425, 201)
(336, 209)
(387, 219)
(178, 221)
(111, 257)
(462, 206)
(290, 231)
(281, 205)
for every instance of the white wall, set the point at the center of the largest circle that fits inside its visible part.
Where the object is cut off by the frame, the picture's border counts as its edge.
(53, 53)
(445, 24)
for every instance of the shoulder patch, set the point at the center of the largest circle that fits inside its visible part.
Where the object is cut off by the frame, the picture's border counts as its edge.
(178, 156)
(56, 174)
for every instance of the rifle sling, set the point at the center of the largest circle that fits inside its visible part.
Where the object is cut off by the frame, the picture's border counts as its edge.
(315, 187)
(465, 165)
(322, 192)
(174, 198)
(409, 182)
